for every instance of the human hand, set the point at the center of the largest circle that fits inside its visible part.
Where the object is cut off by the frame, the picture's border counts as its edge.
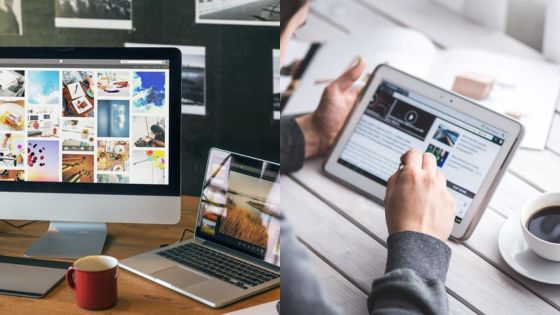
(417, 198)
(322, 126)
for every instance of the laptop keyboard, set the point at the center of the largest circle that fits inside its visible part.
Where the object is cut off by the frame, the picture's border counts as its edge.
(218, 265)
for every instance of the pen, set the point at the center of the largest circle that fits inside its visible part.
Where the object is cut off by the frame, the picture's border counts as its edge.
(76, 91)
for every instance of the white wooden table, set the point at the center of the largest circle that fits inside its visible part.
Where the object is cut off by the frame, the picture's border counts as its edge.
(345, 232)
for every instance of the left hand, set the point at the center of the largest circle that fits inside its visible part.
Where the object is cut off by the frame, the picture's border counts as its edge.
(321, 128)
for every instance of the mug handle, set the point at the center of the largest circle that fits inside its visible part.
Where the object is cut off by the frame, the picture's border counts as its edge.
(70, 277)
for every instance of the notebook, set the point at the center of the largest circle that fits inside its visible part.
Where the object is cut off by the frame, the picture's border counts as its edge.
(75, 90)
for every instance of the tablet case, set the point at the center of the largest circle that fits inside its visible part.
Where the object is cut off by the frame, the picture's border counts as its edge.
(27, 277)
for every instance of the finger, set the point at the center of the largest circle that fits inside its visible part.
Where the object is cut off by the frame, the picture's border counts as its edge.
(345, 81)
(429, 162)
(441, 177)
(390, 185)
(355, 91)
(391, 181)
(412, 159)
(352, 96)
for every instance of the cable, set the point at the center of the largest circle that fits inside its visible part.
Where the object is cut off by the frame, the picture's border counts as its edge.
(19, 226)
(185, 232)
(182, 237)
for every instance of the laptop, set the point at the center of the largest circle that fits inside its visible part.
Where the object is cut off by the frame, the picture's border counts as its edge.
(235, 252)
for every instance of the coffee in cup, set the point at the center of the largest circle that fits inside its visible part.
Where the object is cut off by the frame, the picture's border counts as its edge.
(540, 223)
(94, 278)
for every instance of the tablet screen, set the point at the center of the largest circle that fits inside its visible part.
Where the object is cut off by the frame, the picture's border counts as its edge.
(397, 119)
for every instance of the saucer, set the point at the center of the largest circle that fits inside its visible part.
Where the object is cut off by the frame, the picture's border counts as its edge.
(519, 257)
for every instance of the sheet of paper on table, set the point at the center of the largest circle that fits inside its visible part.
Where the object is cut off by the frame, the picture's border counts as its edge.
(297, 52)
(75, 90)
(528, 89)
(525, 89)
(402, 48)
(81, 105)
(263, 309)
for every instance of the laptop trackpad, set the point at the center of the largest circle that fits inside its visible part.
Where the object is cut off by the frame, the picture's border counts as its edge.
(179, 277)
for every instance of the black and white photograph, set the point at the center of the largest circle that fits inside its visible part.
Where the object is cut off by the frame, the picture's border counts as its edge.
(193, 77)
(100, 14)
(12, 83)
(10, 17)
(276, 84)
(238, 12)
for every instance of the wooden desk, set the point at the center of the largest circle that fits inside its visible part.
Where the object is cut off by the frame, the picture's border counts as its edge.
(345, 232)
(136, 294)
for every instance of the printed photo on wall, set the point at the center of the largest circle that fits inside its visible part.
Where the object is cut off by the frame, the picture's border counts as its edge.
(101, 14)
(276, 84)
(238, 12)
(193, 77)
(10, 17)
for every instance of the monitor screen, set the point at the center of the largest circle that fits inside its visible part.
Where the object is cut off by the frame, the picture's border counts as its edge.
(240, 206)
(100, 121)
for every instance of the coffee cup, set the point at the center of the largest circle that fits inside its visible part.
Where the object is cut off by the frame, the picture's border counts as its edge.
(533, 209)
(94, 278)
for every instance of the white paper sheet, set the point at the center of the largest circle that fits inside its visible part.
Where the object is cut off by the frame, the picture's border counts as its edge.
(263, 309)
(75, 90)
(527, 87)
(402, 48)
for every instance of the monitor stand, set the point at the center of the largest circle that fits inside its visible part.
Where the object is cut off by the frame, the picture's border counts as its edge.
(70, 240)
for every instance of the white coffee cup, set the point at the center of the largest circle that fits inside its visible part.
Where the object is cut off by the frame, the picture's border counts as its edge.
(545, 249)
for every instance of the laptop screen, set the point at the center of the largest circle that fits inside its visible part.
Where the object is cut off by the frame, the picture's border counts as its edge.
(240, 205)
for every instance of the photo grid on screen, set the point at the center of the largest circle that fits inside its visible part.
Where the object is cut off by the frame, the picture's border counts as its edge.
(84, 125)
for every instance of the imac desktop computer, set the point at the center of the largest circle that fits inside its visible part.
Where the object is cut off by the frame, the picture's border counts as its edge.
(89, 136)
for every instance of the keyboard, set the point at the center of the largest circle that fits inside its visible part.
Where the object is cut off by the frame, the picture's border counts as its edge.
(218, 265)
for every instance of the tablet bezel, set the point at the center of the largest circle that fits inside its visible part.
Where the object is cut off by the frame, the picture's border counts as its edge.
(453, 101)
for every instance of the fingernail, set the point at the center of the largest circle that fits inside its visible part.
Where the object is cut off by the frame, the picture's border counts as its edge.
(354, 62)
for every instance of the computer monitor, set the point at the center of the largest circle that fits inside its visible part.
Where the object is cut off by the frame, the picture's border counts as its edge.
(89, 136)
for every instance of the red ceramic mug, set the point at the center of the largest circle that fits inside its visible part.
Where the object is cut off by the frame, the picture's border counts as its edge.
(94, 278)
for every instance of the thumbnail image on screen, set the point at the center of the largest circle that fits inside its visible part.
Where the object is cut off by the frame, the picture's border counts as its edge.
(82, 125)
(241, 206)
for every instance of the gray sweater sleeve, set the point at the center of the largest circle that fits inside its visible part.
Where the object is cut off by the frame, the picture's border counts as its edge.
(414, 282)
(292, 146)
(301, 291)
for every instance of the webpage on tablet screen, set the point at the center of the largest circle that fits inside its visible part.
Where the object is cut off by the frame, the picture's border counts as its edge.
(396, 120)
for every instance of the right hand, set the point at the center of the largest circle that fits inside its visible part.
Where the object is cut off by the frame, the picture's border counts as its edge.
(417, 198)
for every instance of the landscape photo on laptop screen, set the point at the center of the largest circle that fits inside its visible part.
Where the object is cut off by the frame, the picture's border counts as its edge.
(240, 206)
(84, 121)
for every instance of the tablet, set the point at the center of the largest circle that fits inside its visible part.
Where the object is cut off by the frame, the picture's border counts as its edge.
(29, 277)
(396, 112)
